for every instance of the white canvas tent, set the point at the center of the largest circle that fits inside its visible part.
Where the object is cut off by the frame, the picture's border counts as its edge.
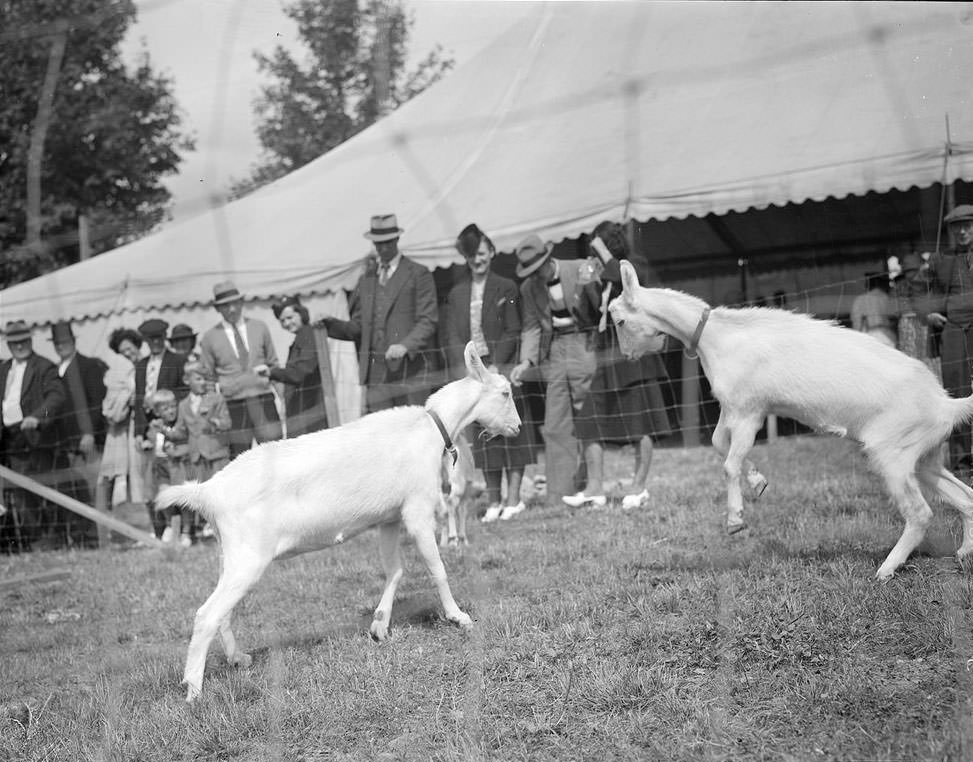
(585, 111)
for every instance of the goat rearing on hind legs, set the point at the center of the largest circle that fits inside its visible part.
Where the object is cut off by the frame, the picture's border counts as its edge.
(761, 361)
(284, 498)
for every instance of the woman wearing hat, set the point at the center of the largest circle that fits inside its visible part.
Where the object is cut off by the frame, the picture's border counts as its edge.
(485, 308)
(301, 376)
(947, 306)
(626, 404)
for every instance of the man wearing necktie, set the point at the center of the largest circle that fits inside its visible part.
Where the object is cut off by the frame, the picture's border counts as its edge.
(393, 316)
(33, 395)
(231, 351)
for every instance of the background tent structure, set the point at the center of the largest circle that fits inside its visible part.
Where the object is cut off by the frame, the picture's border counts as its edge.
(662, 112)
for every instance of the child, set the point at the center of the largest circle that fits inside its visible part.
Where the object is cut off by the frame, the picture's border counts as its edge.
(202, 425)
(169, 458)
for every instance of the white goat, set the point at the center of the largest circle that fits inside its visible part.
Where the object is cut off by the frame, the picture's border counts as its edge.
(318, 490)
(454, 507)
(760, 361)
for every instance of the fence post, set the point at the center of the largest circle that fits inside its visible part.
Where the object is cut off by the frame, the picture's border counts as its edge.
(690, 401)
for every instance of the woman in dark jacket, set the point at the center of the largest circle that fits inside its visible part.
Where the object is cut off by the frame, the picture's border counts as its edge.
(303, 399)
(626, 404)
(485, 308)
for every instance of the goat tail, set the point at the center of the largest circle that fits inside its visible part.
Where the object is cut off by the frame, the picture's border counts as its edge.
(190, 495)
(962, 409)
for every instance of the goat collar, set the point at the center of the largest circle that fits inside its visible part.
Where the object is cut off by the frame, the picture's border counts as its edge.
(449, 446)
(694, 341)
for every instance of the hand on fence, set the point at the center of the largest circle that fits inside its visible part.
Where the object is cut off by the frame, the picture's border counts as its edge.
(29, 423)
(936, 319)
(87, 444)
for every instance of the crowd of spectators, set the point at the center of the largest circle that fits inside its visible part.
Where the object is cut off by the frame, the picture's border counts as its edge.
(182, 408)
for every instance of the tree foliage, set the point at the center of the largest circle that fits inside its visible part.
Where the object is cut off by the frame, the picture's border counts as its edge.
(114, 132)
(355, 71)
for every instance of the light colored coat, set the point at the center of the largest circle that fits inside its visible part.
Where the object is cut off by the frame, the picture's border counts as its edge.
(220, 359)
(203, 431)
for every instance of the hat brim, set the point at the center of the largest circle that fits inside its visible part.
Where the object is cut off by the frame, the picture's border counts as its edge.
(17, 336)
(380, 237)
(523, 271)
(228, 300)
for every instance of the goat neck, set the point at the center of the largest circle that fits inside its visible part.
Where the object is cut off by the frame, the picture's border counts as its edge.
(677, 314)
(455, 404)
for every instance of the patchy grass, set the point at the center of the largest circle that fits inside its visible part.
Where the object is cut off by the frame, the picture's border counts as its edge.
(602, 635)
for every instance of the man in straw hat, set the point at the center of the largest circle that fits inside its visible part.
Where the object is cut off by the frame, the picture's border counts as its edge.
(562, 308)
(33, 395)
(393, 316)
(947, 306)
(233, 351)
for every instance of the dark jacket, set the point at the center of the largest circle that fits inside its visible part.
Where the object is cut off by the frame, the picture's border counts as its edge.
(303, 400)
(499, 320)
(583, 301)
(41, 396)
(170, 377)
(84, 387)
(409, 318)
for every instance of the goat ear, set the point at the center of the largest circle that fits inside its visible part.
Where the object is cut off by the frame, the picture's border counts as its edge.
(630, 281)
(474, 365)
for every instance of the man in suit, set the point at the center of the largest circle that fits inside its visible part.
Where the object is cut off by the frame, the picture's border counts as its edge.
(33, 395)
(393, 316)
(81, 425)
(230, 351)
(947, 306)
(562, 307)
(161, 369)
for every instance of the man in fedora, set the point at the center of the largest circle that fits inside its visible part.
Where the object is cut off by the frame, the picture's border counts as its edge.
(33, 395)
(947, 306)
(393, 316)
(161, 369)
(81, 425)
(231, 351)
(562, 306)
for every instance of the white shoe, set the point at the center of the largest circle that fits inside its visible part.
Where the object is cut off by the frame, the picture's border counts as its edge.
(167, 534)
(512, 510)
(492, 514)
(185, 540)
(581, 499)
(635, 501)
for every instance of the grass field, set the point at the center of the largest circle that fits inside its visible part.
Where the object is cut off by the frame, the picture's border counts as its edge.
(603, 635)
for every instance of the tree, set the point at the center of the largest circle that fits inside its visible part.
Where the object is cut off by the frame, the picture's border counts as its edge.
(110, 137)
(356, 71)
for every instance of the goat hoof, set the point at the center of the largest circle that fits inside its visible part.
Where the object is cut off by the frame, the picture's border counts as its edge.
(735, 528)
(463, 620)
(192, 692)
(757, 483)
(379, 631)
(241, 660)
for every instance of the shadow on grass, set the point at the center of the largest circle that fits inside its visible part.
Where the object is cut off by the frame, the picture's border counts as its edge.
(415, 612)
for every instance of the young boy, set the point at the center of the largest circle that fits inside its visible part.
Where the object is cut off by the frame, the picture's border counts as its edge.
(201, 427)
(169, 458)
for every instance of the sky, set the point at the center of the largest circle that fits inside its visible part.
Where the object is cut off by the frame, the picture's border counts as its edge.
(206, 47)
